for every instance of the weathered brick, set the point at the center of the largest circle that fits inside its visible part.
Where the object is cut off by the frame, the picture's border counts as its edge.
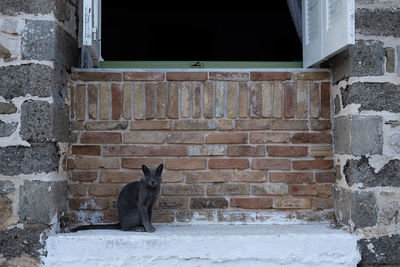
(173, 204)
(138, 99)
(227, 138)
(123, 150)
(206, 150)
(136, 163)
(287, 151)
(266, 96)
(96, 76)
(249, 151)
(289, 100)
(291, 177)
(271, 164)
(165, 151)
(187, 76)
(277, 102)
(196, 99)
(188, 216)
(302, 100)
(239, 164)
(192, 125)
(139, 137)
(96, 163)
(312, 164)
(80, 102)
(101, 138)
(225, 125)
(84, 176)
(104, 101)
(207, 177)
(289, 125)
(265, 138)
(292, 203)
(320, 125)
(88, 204)
(231, 99)
(150, 100)
(253, 124)
(185, 164)
(185, 100)
(320, 151)
(162, 216)
(255, 100)
(314, 75)
(321, 190)
(243, 100)
(325, 177)
(229, 76)
(311, 138)
(127, 101)
(325, 100)
(144, 76)
(208, 203)
(252, 203)
(120, 176)
(219, 99)
(92, 100)
(185, 138)
(116, 102)
(86, 150)
(208, 100)
(150, 125)
(270, 189)
(79, 190)
(103, 190)
(249, 177)
(161, 94)
(314, 100)
(106, 125)
(270, 76)
(223, 189)
(182, 190)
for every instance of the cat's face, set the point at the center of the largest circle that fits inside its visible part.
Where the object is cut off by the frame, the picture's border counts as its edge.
(152, 176)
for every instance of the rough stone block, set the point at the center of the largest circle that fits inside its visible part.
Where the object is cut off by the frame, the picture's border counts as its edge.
(6, 187)
(14, 7)
(386, 251)
(364, 210)
(366, 135)
(12, 25)
(7, 108)
(36, 121)
(6, 129)
(41, 202)
(378, 22)
(27, 160)
(390, 59)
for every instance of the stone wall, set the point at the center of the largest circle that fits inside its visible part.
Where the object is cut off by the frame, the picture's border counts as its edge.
(37, 46)
(234, 144)
(366, 95)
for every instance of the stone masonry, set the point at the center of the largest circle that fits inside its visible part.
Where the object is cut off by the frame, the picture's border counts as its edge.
(234, 144)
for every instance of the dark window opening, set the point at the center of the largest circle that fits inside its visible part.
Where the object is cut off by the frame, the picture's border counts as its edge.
(152, 33)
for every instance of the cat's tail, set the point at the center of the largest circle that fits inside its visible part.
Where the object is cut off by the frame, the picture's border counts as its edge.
(96, 226)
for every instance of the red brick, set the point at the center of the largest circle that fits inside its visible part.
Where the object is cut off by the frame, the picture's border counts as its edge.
(144, 137)
(86, 150)
(103, 190)
(207, 177)
(292, 203)
(120, 176)
(208, 203)
(187, 76)
(106, 125)
(196, 99)
(116, 101)
(182, 190)
(229, 76)
(252, 203)
(161, 100)
(150, 100)
(249, 176)
(165, 151)
(270, 76)
(185, 138)
(325, 100)
(144, 76)
(289, 125)
(208, 97)
(320, 125)
(225, 125)
(313, 75)
(287, 151)
(78, 189)
(289, 100)
(173, 204)
(250, 151)
(254, 124)
(92, 100)
(291, 177)
(312, 190)
(80, 102)
(193, 125)
(123, 150)
(325, 177)
(96, 76)
(84, 176)
(271, 164)
(96, 163)
(172, 107)
(239, 164)
(88, 204)
(101, 138)
(185, 164)
(312, 164)
(227, 138)
(223, 189)
(255, 100)
(173, 176)
(265, 138)
(314, 100)
(136, 163)
(311, 138)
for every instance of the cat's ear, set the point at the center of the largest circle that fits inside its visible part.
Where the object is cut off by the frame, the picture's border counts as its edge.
(146, 170)
(159, 169)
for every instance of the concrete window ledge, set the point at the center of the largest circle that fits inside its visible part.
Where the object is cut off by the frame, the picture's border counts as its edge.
(207, 245)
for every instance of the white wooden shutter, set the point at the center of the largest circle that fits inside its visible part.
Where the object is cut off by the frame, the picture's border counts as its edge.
(328, 28)
(91, 32)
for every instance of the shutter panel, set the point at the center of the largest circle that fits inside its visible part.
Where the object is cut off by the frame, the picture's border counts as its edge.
(334, 24)
(91, 28)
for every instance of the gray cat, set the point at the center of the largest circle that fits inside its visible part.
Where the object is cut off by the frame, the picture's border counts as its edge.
(135, 203)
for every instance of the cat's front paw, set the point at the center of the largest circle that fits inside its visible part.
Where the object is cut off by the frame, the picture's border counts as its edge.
(150, 229)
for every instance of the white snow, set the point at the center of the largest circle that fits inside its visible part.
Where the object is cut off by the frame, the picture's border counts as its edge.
(206, 245)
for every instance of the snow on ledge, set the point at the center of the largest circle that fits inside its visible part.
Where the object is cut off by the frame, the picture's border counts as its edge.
(206, 245)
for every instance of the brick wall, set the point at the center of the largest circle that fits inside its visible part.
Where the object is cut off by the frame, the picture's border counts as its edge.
(232, 143)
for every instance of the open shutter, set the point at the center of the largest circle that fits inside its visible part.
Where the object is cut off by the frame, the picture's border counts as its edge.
(328, 28)
(91, 39)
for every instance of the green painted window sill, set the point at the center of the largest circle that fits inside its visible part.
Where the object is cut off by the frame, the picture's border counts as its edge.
(199, 65)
